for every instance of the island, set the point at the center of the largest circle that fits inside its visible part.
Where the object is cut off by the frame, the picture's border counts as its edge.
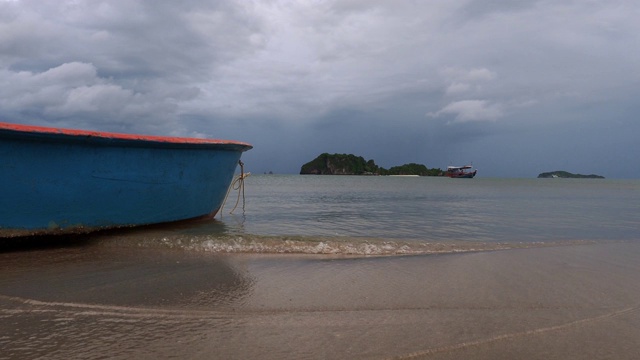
(349, 164)
(567, 175)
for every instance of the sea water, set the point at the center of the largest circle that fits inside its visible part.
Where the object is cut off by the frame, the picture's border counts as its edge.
(381, 215)
(439, 209)
(180, 290)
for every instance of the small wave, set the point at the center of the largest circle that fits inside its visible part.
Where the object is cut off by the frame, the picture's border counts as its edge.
(260, 244)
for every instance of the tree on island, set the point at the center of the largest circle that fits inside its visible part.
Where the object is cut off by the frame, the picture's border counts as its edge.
(349, 164)
(413, 169)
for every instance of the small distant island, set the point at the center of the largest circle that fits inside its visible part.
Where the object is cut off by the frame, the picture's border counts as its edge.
(349, 164)
(567, 175)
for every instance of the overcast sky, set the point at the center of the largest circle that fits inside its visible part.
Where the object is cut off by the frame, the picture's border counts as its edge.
(516, 87)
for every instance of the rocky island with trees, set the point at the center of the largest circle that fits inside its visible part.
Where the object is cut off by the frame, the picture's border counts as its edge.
(348, 164)
(567, 175)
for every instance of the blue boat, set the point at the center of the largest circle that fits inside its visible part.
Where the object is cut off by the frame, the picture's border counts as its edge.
(56, 181)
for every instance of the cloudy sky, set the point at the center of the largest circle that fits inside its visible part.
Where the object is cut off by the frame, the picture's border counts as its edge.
(516, 87)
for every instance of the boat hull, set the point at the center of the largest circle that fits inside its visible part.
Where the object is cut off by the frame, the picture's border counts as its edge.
(63, 181)
(466, 175)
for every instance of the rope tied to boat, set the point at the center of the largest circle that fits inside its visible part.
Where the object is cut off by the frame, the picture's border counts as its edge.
(237, 185)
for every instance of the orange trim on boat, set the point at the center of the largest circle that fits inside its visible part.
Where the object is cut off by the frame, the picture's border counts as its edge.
(110, 135)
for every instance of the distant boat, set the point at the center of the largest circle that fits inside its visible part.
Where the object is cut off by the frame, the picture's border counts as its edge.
(461, 172)
(55, 181)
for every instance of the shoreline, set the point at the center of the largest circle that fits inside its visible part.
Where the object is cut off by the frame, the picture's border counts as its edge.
(283, 245)
(569, 302)
(351, 246)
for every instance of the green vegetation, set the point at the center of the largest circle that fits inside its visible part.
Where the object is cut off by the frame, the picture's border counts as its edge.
(339, 164)
(348, 164)
(413, 169)
(568, 175)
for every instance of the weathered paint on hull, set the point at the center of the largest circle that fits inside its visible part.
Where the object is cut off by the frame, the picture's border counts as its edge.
(61, 181)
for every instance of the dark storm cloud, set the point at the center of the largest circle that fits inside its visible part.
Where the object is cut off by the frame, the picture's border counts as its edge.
(114, 64)
(504, 84)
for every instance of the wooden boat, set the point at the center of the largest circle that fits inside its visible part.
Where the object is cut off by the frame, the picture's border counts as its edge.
(461, 172)
(56, 181)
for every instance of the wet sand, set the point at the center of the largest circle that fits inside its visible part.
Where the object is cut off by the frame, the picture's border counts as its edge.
(86, 301)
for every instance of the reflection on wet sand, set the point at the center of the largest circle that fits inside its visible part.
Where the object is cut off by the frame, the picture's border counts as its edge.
(91, 301)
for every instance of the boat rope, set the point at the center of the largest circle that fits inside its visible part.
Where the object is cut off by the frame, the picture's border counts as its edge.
(237, 185)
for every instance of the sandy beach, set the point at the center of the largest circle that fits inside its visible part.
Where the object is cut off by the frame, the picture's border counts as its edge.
(87, 302)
